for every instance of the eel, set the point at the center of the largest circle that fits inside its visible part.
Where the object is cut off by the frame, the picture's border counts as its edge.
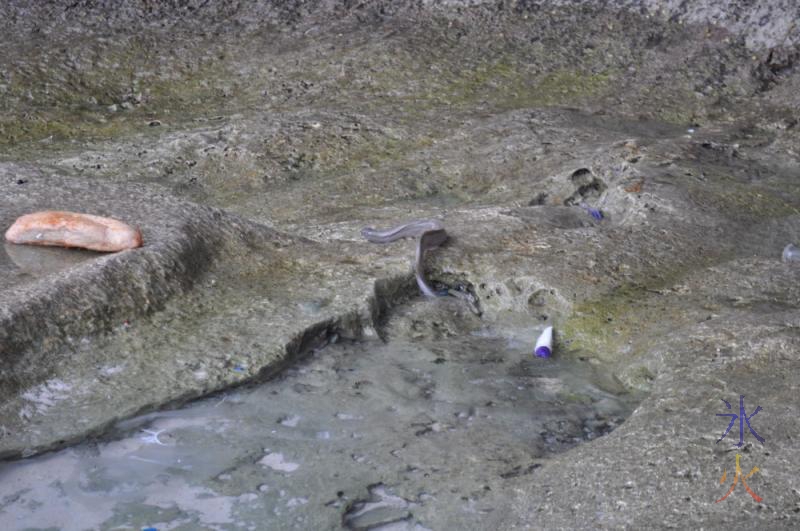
(431, 235)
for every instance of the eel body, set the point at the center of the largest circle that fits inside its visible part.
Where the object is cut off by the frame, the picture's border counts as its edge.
(431, 235)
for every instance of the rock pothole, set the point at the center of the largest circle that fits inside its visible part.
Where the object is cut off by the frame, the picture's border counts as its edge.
(588, 186)
(421, 431)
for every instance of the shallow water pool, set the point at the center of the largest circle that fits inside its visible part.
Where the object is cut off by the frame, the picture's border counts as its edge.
(422, 431)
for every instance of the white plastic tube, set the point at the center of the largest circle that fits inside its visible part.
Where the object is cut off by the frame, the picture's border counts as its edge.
(544, 345)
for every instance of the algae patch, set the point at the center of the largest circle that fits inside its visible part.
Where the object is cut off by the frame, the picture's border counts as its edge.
(95, 89)
(605, 324)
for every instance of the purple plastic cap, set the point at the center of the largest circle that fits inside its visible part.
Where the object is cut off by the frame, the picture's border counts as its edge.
(543, 352)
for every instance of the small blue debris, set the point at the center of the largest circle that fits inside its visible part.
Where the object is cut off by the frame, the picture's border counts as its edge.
(596, 214)
(239, 368)
(149, 529)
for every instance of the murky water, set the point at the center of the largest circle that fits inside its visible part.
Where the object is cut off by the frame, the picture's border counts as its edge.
(20, 264)
(420, 432)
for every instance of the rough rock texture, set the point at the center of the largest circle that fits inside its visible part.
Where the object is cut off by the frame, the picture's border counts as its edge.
(60, 379)
(252, 142)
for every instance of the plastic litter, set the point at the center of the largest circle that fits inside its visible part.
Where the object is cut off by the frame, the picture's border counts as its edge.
(596, 213)
(544, 345)
(791, 253)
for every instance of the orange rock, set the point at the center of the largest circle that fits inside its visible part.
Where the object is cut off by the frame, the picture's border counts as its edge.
(635, 188)
(69, 229)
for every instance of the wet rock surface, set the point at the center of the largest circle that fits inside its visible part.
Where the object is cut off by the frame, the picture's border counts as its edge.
(624, 171)
(424, 431)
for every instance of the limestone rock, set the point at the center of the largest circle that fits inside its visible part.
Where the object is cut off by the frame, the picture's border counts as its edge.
(70, 229)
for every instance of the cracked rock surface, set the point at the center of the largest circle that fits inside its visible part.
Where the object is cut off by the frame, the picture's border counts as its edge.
(626, 171)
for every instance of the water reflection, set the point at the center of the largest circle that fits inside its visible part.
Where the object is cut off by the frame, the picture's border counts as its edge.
(24, 263)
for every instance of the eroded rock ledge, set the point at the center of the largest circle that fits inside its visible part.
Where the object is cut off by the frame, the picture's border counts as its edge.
(253, 155)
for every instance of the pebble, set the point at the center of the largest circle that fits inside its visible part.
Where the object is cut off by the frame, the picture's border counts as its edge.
(70, 229)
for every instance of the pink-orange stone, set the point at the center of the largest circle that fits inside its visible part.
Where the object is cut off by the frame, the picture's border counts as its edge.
(70, 229)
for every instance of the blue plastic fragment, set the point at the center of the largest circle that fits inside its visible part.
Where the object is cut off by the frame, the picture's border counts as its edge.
(149, 529)
(239, 368)
(596, 213)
